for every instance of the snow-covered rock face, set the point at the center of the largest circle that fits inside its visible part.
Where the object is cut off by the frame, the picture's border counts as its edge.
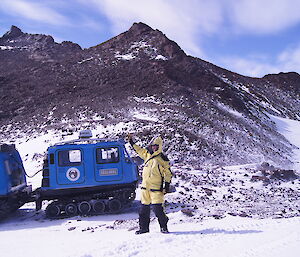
(138, 48)
(143, 80)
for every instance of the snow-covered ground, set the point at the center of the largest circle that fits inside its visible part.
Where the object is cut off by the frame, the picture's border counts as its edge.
(291, 130)
(216, 211)
(96, 236)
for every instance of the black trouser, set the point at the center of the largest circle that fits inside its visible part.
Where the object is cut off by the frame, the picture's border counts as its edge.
(144, 216)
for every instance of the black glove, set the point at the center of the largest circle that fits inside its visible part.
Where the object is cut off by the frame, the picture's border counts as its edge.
(129, 139)
(131, 142)
(167, 187)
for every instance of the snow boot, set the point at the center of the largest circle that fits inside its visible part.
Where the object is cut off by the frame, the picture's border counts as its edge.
(164, 230)
(140, 231)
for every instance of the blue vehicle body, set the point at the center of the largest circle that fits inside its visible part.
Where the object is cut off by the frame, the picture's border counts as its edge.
(87, 175)
(78, 165)
(13, 187)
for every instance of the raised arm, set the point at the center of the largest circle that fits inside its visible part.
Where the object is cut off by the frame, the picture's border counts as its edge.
(142, 152)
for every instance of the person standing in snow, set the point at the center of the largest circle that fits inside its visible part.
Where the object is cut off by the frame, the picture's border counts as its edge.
(156, 179)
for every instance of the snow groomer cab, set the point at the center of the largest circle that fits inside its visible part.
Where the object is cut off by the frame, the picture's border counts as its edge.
(14, 191)
(87, 176)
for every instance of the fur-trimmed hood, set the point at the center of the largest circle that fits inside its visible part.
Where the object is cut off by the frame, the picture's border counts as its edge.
(157, 141)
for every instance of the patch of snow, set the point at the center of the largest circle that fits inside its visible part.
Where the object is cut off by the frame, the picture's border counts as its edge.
(85, 60)
(148, 99)
(6, 47)
(291, 130)
(229, 110)
(244, 88)
(148, 49)
(234, 84)
(193, 146)
(12, 47)
(268, 105)
(134, 50)
(141, 44)
(145, 116)
(96, 117)
(126, 57)
(161, 57)
(219, 89)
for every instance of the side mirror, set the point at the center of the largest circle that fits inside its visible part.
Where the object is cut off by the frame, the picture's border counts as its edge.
(127, 160)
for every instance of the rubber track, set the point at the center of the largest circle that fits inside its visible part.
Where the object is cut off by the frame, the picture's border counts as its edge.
(102, 196)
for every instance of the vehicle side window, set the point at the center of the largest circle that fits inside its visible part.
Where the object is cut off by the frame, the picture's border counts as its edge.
(107, 155)
(7, 167)
(15, 172)
(69, 158)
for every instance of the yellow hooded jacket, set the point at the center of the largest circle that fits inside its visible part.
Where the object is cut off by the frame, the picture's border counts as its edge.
(156, 169)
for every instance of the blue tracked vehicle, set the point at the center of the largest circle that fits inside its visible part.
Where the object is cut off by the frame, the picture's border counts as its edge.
(14, 191)
(87, 176)
(80, 177)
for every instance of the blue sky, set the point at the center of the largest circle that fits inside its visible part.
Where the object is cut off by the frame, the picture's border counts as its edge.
(250, 37)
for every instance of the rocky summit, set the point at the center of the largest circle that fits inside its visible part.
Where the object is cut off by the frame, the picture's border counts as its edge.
(145, 82)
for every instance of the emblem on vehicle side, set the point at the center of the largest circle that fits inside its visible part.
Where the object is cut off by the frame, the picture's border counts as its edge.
(73, 174)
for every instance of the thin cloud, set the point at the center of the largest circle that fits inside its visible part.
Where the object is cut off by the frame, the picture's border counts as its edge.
(258, 66)
(262, 17)
(36, 11)
(248, 66)
(289, 59)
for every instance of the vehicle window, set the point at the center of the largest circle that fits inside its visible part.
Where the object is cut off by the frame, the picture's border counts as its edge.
(69, 158)
(7, 167)
(15, 172)
(107, 155)
(75, 156)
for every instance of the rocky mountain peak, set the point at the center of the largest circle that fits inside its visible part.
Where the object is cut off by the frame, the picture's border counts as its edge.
(141, 40)
(157, 38)
(13, 33)
(16, 38)
(140, 28)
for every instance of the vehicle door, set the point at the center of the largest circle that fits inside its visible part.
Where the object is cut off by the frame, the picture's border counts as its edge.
(70, 166)
(108, 164)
